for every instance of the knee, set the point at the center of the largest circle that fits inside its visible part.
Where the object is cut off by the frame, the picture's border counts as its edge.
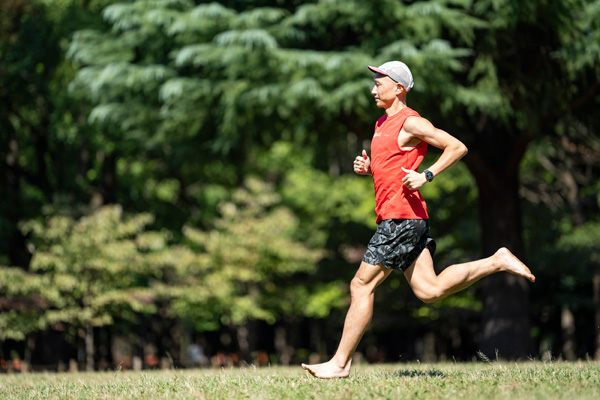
(359, 287)
(429, 295)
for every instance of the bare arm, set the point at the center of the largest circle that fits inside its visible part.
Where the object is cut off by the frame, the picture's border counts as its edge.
(453, 149)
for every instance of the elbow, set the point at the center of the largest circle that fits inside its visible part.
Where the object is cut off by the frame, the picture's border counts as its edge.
(463, 150)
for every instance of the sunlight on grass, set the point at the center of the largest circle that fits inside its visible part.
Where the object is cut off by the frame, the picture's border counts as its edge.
(532, 380)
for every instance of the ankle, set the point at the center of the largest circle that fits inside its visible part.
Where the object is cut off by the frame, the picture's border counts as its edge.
(498, 260)
(342, 362)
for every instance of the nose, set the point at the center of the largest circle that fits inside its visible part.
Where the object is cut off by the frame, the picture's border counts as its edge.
(374, 91)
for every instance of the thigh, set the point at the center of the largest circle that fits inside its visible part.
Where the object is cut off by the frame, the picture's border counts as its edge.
(421, 275)
(371, 275)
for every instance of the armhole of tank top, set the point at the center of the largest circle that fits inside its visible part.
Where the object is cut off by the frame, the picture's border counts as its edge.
(412, 114)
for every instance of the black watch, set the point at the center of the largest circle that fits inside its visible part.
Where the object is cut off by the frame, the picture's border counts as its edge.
(428, 175)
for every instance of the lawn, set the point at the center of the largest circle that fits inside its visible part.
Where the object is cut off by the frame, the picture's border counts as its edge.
(494, 380)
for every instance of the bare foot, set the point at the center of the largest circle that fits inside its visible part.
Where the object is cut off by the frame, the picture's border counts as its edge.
(512, 264)
(327, 370)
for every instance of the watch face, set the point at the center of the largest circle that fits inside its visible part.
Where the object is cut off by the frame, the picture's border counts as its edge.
(429, 175)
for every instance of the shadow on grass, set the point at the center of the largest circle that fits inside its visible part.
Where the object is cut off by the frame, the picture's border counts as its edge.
(413, 373)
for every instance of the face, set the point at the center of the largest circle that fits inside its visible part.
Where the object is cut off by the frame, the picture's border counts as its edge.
(385, 90)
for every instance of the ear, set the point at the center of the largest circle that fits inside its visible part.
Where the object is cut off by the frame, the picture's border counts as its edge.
(399, 88)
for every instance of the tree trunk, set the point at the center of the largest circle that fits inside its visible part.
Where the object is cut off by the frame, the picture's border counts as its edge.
(318, 338)
(243, 342)
(429, 354)
(281, 345)
(89, 347)
(596, 288)
(505, 314)
(109, 177)
(285, 351)
(10, 182)
(567, 325)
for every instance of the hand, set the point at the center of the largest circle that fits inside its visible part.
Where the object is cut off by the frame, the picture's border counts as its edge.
(413, 180)
(362, 165)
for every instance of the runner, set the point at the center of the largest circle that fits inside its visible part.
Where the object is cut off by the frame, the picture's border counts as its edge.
(402, 241)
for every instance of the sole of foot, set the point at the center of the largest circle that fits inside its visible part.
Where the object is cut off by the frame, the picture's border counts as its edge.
(514, 265)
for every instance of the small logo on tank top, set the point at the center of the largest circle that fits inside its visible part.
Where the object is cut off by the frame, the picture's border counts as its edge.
(380, 134)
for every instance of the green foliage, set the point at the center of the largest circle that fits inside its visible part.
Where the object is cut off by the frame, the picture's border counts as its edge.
(21, 302)
(248, 267)
(106, 267)
(224, 78)
(322, 298)
(88, 271)
(323, 198)
(584, 237)
(561, 226)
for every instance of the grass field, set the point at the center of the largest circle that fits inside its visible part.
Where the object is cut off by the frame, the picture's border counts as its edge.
(495, 380)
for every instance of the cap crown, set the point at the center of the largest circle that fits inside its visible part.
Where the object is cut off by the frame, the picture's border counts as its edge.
(398, 71)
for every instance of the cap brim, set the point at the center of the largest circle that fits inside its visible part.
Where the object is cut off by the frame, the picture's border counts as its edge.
(377, 70)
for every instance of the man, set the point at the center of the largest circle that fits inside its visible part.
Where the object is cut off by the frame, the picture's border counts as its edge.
(402, 241)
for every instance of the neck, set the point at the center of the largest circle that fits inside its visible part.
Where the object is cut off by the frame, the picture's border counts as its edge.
(396, 107)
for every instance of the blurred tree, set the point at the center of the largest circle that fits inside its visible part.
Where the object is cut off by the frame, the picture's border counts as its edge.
(84, 273)
(44, 158)
(250, 267)
(28, 59)
(567, 249)
(104, 268)
(520, 91)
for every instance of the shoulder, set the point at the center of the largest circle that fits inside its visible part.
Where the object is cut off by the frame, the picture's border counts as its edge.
(417, 125)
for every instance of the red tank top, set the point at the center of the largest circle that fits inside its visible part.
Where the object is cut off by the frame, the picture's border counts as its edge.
(393, 200)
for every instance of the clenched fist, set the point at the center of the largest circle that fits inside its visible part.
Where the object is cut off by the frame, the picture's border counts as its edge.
(413, 180)
(362, 165)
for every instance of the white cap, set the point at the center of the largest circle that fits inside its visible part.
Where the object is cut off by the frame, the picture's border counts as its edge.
(398, 71)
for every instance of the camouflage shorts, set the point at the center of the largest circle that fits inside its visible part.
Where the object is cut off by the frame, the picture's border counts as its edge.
(398, 242)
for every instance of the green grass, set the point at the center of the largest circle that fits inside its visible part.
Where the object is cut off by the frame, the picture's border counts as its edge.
(496, 380)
